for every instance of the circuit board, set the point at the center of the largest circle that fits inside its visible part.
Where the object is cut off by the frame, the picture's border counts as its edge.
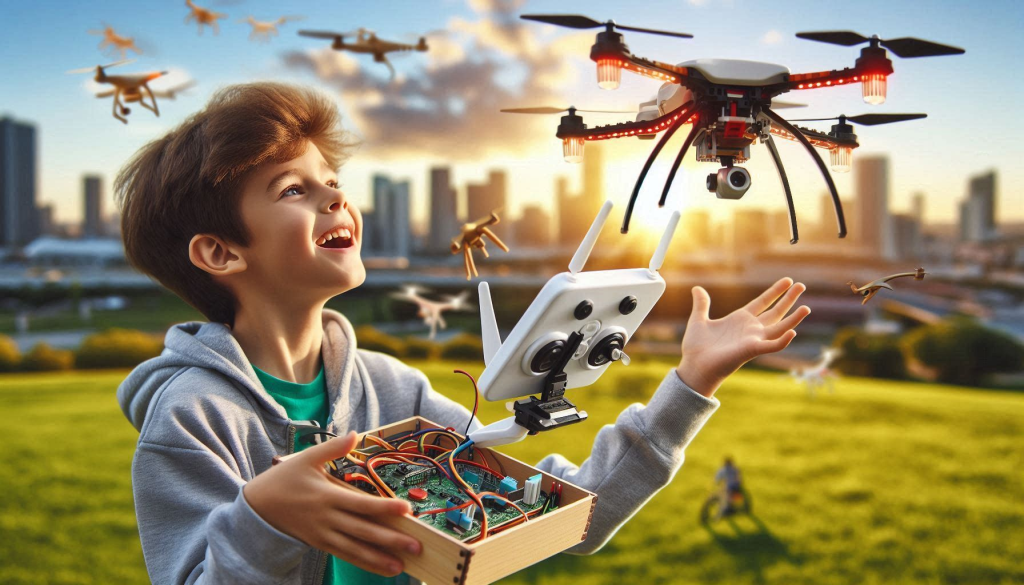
(440, 490)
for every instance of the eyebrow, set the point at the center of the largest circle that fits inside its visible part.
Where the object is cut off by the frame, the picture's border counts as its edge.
(295, 171)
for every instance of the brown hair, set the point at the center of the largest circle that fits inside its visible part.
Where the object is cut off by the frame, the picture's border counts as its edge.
(189, 182)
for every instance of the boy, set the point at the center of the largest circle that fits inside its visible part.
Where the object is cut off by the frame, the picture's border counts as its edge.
(239, 212)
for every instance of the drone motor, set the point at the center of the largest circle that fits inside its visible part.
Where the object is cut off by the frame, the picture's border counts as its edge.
(729, 182)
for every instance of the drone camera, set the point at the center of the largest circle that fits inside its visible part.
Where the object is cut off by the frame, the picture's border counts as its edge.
(729, 182)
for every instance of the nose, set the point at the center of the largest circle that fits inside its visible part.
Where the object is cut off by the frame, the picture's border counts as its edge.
(334, 201)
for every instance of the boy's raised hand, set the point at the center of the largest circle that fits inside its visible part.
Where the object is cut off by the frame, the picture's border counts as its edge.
(298, 497)
(715, 348)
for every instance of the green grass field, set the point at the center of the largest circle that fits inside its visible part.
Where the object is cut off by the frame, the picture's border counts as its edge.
(879, 483)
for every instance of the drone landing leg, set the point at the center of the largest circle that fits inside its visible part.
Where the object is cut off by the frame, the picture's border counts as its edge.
(821, 166)
(687, 111)
(118, 105)
(794, 235)
(494, 238)
(391, 67)
(154, 108)
(679, 160)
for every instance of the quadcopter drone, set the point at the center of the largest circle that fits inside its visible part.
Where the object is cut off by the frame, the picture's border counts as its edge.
(819, 374)
(729, 104)
(262, 30)
(871, 289)
(203, 16)
(430, 311)
(472, 236)
(366, 42)
(113, 42)
(132, 88)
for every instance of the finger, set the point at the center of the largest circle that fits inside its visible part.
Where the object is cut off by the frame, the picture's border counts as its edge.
(373, 533)
(701, 303)
(784, 304)
(774, 345)
(357, 502)
(773, 331)
(765, 299)
(329, 450)
(362, 555)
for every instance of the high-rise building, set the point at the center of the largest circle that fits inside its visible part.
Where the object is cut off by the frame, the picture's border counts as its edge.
(978, 210)
(871, 184)
(389, 220)
(444, 219)
(750, 230)
(696, 229)
(907, 241)
(483, 198)
(592, 197)
(917, 207)
(533, 228)
(19, 217)
(92, 226)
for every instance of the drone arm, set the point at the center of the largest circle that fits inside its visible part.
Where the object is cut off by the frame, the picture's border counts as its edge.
(687, 110)
(793, 231)
(634, 129)
(487, 232)
(679, 160)
(900, 275)
(840, 218)
(648, 67)
(833, 78)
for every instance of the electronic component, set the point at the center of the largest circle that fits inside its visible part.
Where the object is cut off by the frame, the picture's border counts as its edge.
(507, 485)
(419, 476)
(472, 479)
(531, 490)
(417, 494)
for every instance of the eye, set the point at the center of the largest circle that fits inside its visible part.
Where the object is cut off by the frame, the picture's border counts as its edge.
(292, 190)
(333, 184)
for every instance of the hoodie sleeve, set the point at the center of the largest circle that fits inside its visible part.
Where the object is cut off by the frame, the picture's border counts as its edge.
(194, 523)
(630, 460)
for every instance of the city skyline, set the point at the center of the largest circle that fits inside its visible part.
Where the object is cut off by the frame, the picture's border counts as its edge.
(77, 136)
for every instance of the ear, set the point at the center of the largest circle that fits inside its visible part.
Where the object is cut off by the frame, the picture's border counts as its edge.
(215, 256)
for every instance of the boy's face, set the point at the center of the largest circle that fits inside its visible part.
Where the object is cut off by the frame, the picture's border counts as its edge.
(305, 234)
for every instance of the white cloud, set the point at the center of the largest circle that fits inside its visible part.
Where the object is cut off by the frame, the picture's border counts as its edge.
(772, 37)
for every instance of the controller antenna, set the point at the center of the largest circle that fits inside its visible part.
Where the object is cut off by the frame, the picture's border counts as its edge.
(666, 238)
(587, 245)
(488, 324)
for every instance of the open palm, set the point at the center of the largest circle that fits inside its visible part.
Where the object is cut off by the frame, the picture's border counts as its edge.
(715, 348)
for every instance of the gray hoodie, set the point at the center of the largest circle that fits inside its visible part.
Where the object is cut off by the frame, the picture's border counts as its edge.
(207, 427)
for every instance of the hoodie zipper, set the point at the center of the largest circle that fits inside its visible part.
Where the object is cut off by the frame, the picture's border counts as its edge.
(321, 556)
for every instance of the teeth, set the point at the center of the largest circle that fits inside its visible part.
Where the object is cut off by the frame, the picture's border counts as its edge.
(338, 233)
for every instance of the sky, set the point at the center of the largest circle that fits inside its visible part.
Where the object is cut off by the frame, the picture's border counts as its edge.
(443, 106)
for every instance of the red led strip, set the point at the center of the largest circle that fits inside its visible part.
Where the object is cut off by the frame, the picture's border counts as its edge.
(828, 78)
(823, 144)
(627, 129)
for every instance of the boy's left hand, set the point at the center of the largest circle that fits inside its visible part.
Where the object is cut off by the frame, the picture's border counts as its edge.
(715, 348)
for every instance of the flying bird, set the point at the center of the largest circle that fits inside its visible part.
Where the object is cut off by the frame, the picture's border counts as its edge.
(870, 289)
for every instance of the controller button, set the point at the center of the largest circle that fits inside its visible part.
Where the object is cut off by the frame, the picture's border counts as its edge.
(581, 351)
(583, 310)
(628, 305)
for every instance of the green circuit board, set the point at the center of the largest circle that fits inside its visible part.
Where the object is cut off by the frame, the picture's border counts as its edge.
(439, 489)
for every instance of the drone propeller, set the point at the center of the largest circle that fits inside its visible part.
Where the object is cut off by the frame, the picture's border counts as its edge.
(868, 119)
(172, 92)
(324, 34)
(777, 105)
(906, 47)
(89, 69)
(551, 110)
(583, 22)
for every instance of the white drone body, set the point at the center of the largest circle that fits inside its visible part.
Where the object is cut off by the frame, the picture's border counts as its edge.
(431, 311)
(818, 375)
(605, 307)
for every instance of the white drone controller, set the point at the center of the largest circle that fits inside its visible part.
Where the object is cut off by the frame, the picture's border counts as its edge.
(578, 325)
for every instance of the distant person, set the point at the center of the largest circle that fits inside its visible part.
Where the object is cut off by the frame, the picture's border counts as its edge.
(729, 482)
(238, 210)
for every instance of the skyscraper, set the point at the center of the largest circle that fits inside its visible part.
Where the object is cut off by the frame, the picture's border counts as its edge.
(19, 218)
(871, 184)
(92, 226)
(444, 219)
(978, 210)
(389, 221)
(750, 231)
(533, 229)
(592, 197)
(483, 198)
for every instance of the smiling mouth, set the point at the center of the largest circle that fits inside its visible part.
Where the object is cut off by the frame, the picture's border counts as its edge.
(338, 238)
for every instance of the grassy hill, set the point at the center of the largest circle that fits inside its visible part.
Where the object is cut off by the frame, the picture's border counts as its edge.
(881, 482)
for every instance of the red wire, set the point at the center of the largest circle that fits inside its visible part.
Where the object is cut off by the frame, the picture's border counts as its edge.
(476, 401)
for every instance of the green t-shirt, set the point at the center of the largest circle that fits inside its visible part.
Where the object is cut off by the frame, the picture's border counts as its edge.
(305, 402)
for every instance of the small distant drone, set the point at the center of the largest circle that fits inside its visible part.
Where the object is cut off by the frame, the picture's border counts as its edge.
(262, 30)
(430, 311)
(113, 42)
(730, 106)
(366, 42)
(472, 237)
(203, 16)
(132, 88)
(818, 375)
(870, 289)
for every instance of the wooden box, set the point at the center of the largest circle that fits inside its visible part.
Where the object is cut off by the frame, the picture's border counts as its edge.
(446, 560)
